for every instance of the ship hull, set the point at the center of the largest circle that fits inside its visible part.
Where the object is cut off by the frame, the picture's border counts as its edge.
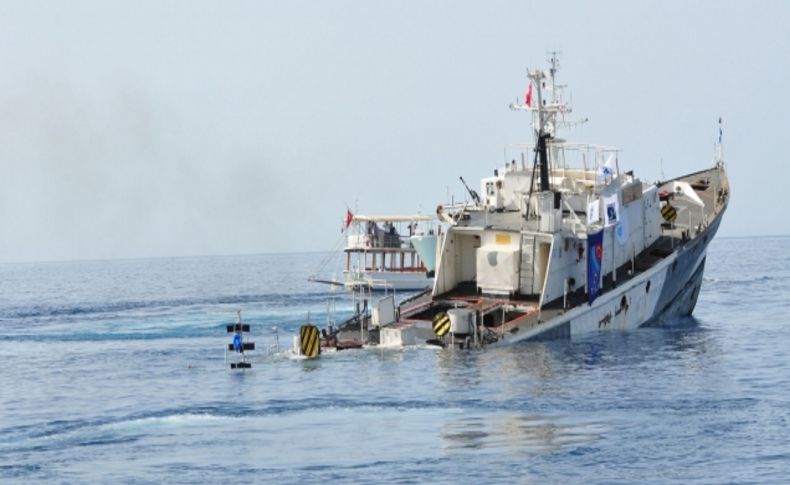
(668, 290)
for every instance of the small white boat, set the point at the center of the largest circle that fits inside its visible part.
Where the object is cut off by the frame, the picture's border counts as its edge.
(381, 252)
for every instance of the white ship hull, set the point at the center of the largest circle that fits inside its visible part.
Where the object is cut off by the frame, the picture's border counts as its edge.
(674, 287)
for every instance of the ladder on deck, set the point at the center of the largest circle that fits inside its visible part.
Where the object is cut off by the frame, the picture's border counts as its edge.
(527, 270)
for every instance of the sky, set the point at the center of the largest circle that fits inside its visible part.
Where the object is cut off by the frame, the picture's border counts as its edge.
(166, 128)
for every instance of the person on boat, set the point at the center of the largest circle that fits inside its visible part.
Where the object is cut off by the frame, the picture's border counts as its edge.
(376, 234)
(389, 236)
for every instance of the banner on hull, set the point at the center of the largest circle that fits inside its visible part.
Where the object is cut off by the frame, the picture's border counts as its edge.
(594, 263)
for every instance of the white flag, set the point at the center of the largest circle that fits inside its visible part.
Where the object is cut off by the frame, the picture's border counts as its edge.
(593, 212)
(611, 210)
(605, 170)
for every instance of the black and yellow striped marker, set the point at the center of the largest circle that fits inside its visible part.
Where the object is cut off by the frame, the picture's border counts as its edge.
(309, 341)
(669, 213)
(441, 324)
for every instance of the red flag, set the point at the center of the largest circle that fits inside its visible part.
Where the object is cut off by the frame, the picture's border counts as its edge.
(528, 96)
(349, 218)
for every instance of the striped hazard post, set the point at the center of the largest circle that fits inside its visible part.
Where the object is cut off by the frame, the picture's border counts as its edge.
(669, 213)
(441, 324)
(309, 341)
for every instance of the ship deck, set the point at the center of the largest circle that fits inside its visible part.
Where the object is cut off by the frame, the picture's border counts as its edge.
(524, 311)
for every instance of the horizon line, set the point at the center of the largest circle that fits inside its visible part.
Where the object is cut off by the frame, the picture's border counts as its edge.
(268, 253)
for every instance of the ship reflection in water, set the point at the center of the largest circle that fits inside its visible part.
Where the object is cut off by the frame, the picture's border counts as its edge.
(552, 399)
(520, 433)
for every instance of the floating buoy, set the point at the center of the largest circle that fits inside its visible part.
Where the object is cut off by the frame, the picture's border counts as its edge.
(441, 324)
(239, 344)
(309, 341)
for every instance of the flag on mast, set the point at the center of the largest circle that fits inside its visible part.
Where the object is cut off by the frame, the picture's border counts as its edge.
(349, 218)
(605, 170)
(528, 95)
(720, 132)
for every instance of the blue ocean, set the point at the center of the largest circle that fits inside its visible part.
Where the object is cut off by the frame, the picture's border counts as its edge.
(114, 371)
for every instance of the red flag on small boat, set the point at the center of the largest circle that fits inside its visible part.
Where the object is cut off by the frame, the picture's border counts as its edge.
(349, 218)
(528, 95)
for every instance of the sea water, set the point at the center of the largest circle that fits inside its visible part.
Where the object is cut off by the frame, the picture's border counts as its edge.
(114, 371)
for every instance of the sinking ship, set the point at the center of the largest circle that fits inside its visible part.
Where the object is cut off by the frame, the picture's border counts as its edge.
(560, 242)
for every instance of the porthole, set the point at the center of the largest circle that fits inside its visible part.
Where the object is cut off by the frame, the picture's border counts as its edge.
(647, 287)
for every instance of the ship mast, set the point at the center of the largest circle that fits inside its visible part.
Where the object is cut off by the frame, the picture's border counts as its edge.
(544, 119)
(552, 72)
(537, 76)
(718, 152)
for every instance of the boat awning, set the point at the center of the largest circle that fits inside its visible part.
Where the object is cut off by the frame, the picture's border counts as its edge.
(392, 218)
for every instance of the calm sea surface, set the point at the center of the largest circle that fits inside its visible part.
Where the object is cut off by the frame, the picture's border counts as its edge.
(113, 371)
